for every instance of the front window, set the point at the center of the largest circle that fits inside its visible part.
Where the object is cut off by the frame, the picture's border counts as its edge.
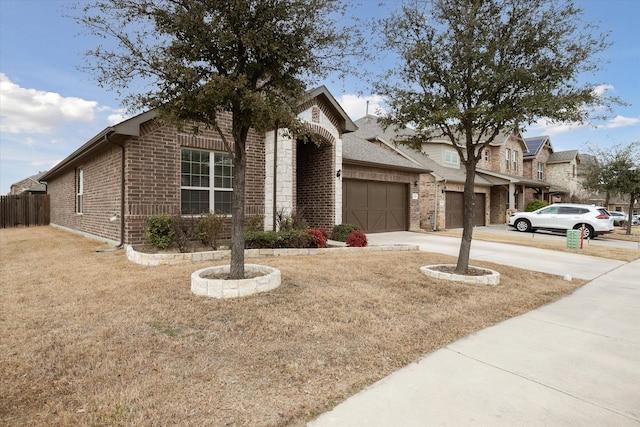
(79, 189)
(507, 156)
(541, 171)
(451, 157)
(515, 161)
(206, 182)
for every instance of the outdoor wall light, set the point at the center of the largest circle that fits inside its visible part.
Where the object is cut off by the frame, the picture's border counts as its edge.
(339, 173)
(415, 183)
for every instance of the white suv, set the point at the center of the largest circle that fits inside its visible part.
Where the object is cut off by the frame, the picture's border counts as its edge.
(565, 216)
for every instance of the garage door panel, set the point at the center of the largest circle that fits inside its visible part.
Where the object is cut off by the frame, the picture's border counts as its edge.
(377, 195)
(454, 213)
(377, 221)
(375, 205)
(396, 219)
(359, 218)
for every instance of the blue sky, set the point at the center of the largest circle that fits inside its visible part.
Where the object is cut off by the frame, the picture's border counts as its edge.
(48, 108)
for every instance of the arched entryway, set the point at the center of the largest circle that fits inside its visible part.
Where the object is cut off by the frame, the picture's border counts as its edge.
(315, 182)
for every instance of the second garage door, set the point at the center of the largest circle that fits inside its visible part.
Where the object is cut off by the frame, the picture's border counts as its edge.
(375, 206)
(455, 209)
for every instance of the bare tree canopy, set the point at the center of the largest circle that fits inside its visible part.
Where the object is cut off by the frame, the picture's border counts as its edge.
(471, 70)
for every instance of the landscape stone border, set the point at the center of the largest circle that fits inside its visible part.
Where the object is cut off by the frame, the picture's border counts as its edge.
(269, 278)
(493, 278)
(147, 259)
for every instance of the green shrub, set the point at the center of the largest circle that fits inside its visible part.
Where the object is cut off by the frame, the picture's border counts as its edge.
(278, 239)
(341, 231)
(535, 204)
(208, 229)
(254, 223)
(159, 232)
(357, 239)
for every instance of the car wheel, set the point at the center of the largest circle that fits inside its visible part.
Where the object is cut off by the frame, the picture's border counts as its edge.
(588, 231)
(523, 225)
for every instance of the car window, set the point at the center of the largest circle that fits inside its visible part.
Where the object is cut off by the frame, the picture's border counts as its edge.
(584, 211)
(604, 212)
(549, 210)
(569, 210)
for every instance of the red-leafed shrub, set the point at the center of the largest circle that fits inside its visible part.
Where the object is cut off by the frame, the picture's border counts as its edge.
(357, 239)
(320, 237)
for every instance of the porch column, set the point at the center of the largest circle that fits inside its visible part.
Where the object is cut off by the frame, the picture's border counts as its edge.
(512, 196)
(283, 176)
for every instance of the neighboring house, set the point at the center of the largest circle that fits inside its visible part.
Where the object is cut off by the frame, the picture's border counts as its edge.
(562, 173)
(549, 168)
(29, 185)
(141, 167)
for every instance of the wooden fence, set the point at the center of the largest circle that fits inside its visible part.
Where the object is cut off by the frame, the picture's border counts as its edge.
(24, 210)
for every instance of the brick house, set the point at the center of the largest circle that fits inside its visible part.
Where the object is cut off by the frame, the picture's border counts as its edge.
(141, 167)
(31, 184)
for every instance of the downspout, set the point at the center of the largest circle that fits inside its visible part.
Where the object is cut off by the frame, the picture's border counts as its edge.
(122, 189)
(275, 174)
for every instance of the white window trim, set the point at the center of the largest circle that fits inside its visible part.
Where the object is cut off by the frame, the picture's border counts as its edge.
(211, 188)
(453, 157)
(507, 156)
(515, 161)
(540, 171)
(79, 190)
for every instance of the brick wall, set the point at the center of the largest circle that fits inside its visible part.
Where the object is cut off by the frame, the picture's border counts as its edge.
(101, 199)
(152, 181)
(153, 171)
(315, 184)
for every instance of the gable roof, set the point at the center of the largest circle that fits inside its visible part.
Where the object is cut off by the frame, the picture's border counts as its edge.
(356, 150)
(370, 130)
(129, 127)
(563, 156)
(346, 124)
(535, 144)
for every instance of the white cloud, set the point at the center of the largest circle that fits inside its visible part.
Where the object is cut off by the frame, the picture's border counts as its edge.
(620, 122)
(118, 116)
(356, 106)
(546, 127)
(35, 111)
(601, 89)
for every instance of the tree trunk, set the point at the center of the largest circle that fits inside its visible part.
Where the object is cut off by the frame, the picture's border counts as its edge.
(468, 216)
(630, 213)
(237, 212)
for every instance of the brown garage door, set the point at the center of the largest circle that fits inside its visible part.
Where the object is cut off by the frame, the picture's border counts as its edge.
(455, 208)
(375, 206)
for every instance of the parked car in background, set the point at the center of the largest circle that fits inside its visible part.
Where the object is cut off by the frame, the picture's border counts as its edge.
(565, 216)
(619, 218)
(635, 220)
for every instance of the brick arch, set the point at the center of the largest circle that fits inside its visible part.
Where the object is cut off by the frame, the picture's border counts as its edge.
(322, 132)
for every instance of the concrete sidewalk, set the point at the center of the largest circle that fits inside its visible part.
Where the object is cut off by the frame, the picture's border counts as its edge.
(573, 362)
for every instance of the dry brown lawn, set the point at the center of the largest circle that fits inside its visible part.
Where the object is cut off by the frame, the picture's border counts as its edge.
(88, 338)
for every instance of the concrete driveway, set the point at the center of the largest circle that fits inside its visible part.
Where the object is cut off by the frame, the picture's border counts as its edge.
(571, 363)
(528, 258)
